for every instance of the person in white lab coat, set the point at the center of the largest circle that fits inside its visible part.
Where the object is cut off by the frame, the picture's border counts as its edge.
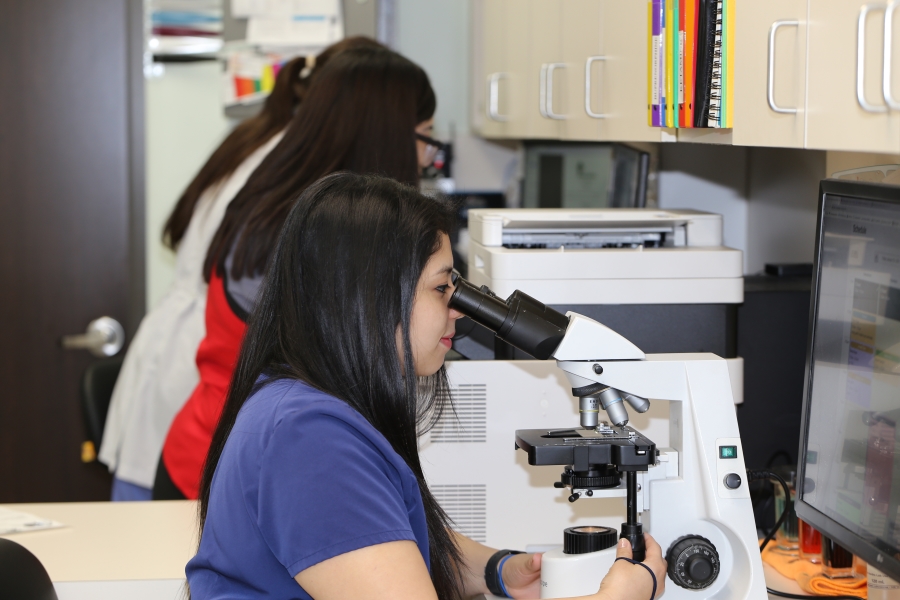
(159, 373)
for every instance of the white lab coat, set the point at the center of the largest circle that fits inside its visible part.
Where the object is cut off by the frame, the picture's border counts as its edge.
(159, 372)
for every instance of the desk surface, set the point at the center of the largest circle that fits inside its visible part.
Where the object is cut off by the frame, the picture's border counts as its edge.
(113, 541)
(140, 541)
(777, 581)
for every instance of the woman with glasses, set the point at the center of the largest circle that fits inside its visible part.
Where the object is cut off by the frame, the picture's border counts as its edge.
(159, 374)
(362, 115)
(426, 146)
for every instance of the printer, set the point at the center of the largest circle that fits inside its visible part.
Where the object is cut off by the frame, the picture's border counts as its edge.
(661, 278)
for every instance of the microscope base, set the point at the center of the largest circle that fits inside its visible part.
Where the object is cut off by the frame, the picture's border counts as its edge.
(572, 575)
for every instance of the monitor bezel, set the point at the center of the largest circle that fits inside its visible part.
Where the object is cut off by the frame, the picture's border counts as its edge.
(858, 545)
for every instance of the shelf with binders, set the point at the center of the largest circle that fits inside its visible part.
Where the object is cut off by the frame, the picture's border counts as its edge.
(802, 74)
(690, 66)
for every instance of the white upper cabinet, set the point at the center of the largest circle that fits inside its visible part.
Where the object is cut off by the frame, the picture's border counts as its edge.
(501, 71)
(821, 74)
(770, 73)
(845, 104)
(536, 62)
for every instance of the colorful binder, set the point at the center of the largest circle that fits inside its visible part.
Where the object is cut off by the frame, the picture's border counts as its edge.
(690, 63)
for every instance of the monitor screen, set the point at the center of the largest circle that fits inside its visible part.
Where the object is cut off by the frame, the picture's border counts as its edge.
(850, 451)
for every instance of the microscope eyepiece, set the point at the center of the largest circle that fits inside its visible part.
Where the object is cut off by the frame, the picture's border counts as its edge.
(520, 320)
(480, 305)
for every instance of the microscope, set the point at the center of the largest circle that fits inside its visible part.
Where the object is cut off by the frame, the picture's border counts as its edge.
(693, 498)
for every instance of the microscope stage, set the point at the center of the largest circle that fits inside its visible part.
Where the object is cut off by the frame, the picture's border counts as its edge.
(622, 447)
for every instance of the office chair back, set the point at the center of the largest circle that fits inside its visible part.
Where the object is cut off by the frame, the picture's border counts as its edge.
(96, 392)
(22, 575)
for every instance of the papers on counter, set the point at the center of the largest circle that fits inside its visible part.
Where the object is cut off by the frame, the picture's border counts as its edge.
(13, 521)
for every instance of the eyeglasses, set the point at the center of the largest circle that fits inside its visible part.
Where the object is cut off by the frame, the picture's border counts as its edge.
(432, 147)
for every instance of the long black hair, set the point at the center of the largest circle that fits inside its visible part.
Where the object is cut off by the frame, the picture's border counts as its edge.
(341, 282)
(278, 110)
(360, 115)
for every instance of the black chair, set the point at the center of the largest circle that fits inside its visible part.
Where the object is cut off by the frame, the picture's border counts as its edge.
(22, 576)
(96, 392)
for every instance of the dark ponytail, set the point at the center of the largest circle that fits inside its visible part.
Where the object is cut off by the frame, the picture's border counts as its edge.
(289, 91)
(341, 284)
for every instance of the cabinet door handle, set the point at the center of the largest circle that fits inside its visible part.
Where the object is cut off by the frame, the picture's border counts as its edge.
(587, 86)
(493, 105)
(770, 72)
(542, 95)
(888, 50)
(548, 94)
(861, 59)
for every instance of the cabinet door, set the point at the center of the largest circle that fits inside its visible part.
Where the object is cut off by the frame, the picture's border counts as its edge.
(490, 79)
(624, 82)
(836, 118)
(582, 48)
(769, 90)
(519, 31)
(547, 101)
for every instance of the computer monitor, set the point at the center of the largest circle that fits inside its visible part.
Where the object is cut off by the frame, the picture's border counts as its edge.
(849, 459)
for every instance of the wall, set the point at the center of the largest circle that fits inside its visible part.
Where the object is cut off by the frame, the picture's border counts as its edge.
(436, 35)
(709, 178)
(767, 196)
(783, 190)
(184, 125)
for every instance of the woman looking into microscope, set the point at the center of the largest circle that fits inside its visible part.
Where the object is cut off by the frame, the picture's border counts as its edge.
(313, 486)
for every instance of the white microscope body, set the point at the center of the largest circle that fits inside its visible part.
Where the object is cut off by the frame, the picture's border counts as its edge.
(696, 494)
(693, 497)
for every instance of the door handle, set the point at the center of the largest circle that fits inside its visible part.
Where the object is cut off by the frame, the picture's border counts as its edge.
(587, 86)
(770, 80)
(888, 50)
(493, 107)
(542, 95)
(861, 59)
(548, 91)
(104, 337)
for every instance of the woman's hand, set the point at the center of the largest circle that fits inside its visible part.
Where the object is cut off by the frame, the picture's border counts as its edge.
(626, 581)
(522, 575)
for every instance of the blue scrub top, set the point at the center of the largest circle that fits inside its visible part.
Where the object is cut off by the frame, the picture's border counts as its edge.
(303, 478)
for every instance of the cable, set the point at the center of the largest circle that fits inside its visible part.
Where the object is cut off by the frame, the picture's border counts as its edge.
(756, 475)
(808, 597)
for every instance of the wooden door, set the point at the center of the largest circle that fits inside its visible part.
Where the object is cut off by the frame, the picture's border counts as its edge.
(71, 225)
(769, 101)
(835, 116)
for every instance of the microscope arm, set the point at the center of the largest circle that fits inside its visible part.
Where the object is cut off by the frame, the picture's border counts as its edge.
(544, 333)
(587, 340)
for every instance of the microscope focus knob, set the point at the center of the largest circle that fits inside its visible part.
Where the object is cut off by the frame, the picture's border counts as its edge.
(693, 562)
